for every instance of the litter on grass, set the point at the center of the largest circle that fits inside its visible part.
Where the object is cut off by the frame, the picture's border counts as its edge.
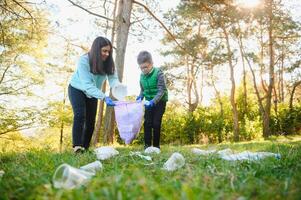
(202, 152)
(129, 119)
(103, 153)
(150, 150)
(174, 162)
(92, 167)
(1, 173)
(228, 154)
(68, 177)
(137, 153)
(225, 152)
(247, 155)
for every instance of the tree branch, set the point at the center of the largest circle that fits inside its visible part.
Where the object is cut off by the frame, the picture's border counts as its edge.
(26, 126)
(88, 11)
(3, 74)
(19, 4)
(160, 22)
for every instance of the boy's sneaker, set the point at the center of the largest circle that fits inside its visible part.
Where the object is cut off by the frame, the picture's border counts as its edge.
(78, 149)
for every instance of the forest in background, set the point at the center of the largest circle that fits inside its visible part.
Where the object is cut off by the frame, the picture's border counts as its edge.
(248, 57)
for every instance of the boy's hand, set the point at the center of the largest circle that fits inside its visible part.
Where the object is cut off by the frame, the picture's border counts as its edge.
(139, 98)
(149, 104)
(109, 101)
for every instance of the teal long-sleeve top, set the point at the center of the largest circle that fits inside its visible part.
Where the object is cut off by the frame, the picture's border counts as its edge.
(90, 83)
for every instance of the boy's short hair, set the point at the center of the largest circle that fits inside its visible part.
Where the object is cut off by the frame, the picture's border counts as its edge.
(144, 56)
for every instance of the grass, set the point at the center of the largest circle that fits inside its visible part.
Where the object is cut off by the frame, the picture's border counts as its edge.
(28, 175)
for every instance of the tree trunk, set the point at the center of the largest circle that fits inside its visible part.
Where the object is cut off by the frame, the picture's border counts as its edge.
(99, 121)
(280, 75)
(292, 94)
(202, 86)
(266, 121)
(218, 96)
(98, 125)
(232, 96)
(62, 121)
(191, 86)
(245, 102)
(122, 31)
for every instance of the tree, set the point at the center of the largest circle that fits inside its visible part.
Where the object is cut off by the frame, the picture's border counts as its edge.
(24, 31)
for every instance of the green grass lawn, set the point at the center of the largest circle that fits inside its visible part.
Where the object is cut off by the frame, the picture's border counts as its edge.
(28, 175)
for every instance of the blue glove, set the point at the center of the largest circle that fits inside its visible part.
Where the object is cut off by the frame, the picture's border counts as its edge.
(149, 104)
(139, 98)
(109, 101)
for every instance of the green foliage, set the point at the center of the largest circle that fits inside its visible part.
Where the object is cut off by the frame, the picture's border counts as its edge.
(50, 138)
(58, 113)
(288, 121)
(29, 175)
(24, 31)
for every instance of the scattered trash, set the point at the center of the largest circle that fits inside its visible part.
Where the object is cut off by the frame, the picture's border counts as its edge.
(92, 167)
(202, 152)
(119, 92)
(225, 152)
(68, 177)
(247, 155)
(129, 117)
(106, 152)
(175, 161)
(137, 153)
(1, 173)
(150, 150)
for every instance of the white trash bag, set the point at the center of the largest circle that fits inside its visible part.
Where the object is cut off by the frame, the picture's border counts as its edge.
(103, 153)
(150, 150)
(225, 152)
(247, 155)
(1, 173)
(202, 152)
(92, 167)
(175, 161)
(129, 117)
(137, 153)
(68, 177)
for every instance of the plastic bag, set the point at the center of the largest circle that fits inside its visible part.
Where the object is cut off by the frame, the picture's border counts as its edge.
(150, 150)
(137, 153)
(119, 92)
(175, 161)
(68, 177)
(247, 155)
(1, 173)
(225, 152)
(92, 167)
(129, 117)
(104, 153)
(202, 152)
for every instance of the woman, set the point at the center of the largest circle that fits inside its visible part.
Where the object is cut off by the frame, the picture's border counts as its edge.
(93, 68)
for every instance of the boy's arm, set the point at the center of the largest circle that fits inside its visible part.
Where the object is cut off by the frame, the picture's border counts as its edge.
(141, 90)
(161, 84)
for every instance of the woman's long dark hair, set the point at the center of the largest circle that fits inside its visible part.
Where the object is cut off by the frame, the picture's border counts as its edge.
(97, 66)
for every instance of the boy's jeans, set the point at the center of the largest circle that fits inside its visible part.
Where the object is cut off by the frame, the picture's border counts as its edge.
(152, 124)
(84, 111)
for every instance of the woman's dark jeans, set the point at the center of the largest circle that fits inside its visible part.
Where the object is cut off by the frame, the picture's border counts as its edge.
(84, 112)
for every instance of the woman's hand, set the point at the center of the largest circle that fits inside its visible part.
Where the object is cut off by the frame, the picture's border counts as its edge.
(109, 101)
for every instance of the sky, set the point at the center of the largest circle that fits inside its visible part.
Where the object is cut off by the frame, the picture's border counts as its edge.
(82, 31)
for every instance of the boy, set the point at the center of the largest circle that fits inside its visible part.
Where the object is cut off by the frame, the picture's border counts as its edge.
(153, 89)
